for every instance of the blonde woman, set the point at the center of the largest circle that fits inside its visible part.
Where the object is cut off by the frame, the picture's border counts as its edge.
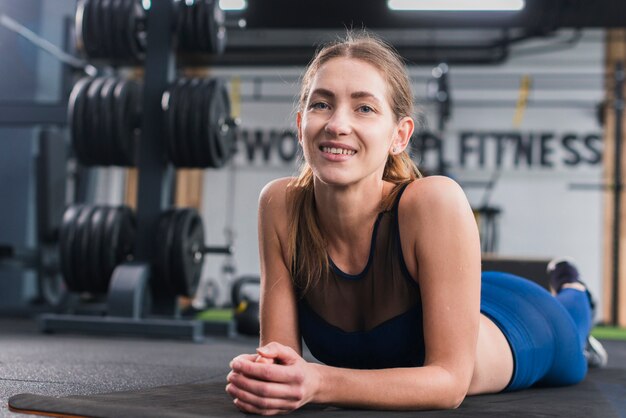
(379, 269)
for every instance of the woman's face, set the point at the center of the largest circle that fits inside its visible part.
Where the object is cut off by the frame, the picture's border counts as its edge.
(347, 127)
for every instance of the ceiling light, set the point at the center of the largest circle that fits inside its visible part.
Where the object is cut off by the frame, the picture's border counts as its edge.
(233, 4)
(456, 5)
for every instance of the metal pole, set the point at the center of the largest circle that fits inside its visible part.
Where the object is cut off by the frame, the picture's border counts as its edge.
(618, 106)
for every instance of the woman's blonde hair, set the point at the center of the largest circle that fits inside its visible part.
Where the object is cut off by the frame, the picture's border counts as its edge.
(308, 259)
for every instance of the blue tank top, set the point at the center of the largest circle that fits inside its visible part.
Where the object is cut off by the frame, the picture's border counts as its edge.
(368, 320)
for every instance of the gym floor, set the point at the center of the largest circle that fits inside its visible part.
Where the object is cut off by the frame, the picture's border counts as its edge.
(65, 364)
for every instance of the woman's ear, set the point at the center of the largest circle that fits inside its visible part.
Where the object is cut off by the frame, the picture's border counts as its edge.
(404, 130)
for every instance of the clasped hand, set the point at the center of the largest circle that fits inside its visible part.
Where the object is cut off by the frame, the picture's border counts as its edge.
(276, 380)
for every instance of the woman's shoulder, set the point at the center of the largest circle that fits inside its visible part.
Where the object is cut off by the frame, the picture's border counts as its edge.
(275, 189)
(432, 196)
(273, 198)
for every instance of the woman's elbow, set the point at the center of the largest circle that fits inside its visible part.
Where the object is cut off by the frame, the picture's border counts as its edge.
(455, 393)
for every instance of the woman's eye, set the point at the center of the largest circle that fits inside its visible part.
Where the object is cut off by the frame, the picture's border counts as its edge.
(319, 105)
(366, 109)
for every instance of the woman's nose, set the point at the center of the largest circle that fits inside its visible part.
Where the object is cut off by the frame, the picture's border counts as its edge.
(339, 123)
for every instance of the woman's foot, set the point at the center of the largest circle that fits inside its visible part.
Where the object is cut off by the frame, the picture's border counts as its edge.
(563, 274)
(595, 353)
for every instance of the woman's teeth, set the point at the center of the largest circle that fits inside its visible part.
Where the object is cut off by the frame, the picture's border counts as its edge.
(338, 151)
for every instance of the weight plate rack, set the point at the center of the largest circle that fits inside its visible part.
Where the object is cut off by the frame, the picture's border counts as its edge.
(141, 260)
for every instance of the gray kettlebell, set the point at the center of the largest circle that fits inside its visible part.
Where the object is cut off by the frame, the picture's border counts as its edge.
(246, 311)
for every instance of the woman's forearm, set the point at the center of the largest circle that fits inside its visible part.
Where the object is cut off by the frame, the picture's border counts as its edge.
(429, 387)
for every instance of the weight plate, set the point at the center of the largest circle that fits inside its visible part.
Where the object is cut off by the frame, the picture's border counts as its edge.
(195, 121)
(94, 28)
(173, 268)
(209, 148)
(92, 122)
(191, 26)
(67, 236)
(127, 141)
(118, 24)
(219, 112)
(135, 13)
(93, 259)
(192, 253)
(120, 118)
(166, 107)
(179, 10)
(201, 26)
(163, 283)
(186, 28)
(104, 7)
(182, 117)
(91, 49)
(111, 237)
(107, 110)
(79, 21)
(217, 28)
(81, 248)
(223, 130)
(126, 239)
(175, 155)
(75, 112)
(188, 236)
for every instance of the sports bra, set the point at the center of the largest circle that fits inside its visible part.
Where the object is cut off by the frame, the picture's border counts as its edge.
(368, 320)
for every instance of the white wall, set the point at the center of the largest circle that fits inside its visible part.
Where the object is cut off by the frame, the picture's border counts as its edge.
(541, 217)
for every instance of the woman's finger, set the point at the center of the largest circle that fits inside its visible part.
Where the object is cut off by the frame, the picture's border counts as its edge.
(261, 403)
(243, 357)
(267, 372)
(265, 389)
(251, 409)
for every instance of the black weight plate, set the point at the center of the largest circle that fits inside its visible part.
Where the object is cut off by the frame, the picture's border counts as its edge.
(104, 8)
(179, 10)
(111, 237)
(107, 110)
(223, 129)
(134, 124)
(183, 260)
(217, 28)
(192, 258)
(81, 248)
(168, 125)
(173, 265)
(174, 140)
(200, 24)
(75, 112)
(199, 146)
(141, 28)
(209, 148)
(79, 22)
(117, 22)
(94, 28)
(163, 284)
(135, 13)
(121, 108)
(91, 49)
(174, 134)
(93, 260)
(217, 117)
(92, 121)
(182, 117)
(195, 123)
(126, 238)
(67, 236)
(186, 33)
(127, 140)
(190, 26)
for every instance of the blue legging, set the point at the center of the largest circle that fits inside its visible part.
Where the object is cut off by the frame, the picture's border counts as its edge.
(547, 334)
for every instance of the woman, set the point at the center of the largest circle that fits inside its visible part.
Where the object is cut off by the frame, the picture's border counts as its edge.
(379, 269)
